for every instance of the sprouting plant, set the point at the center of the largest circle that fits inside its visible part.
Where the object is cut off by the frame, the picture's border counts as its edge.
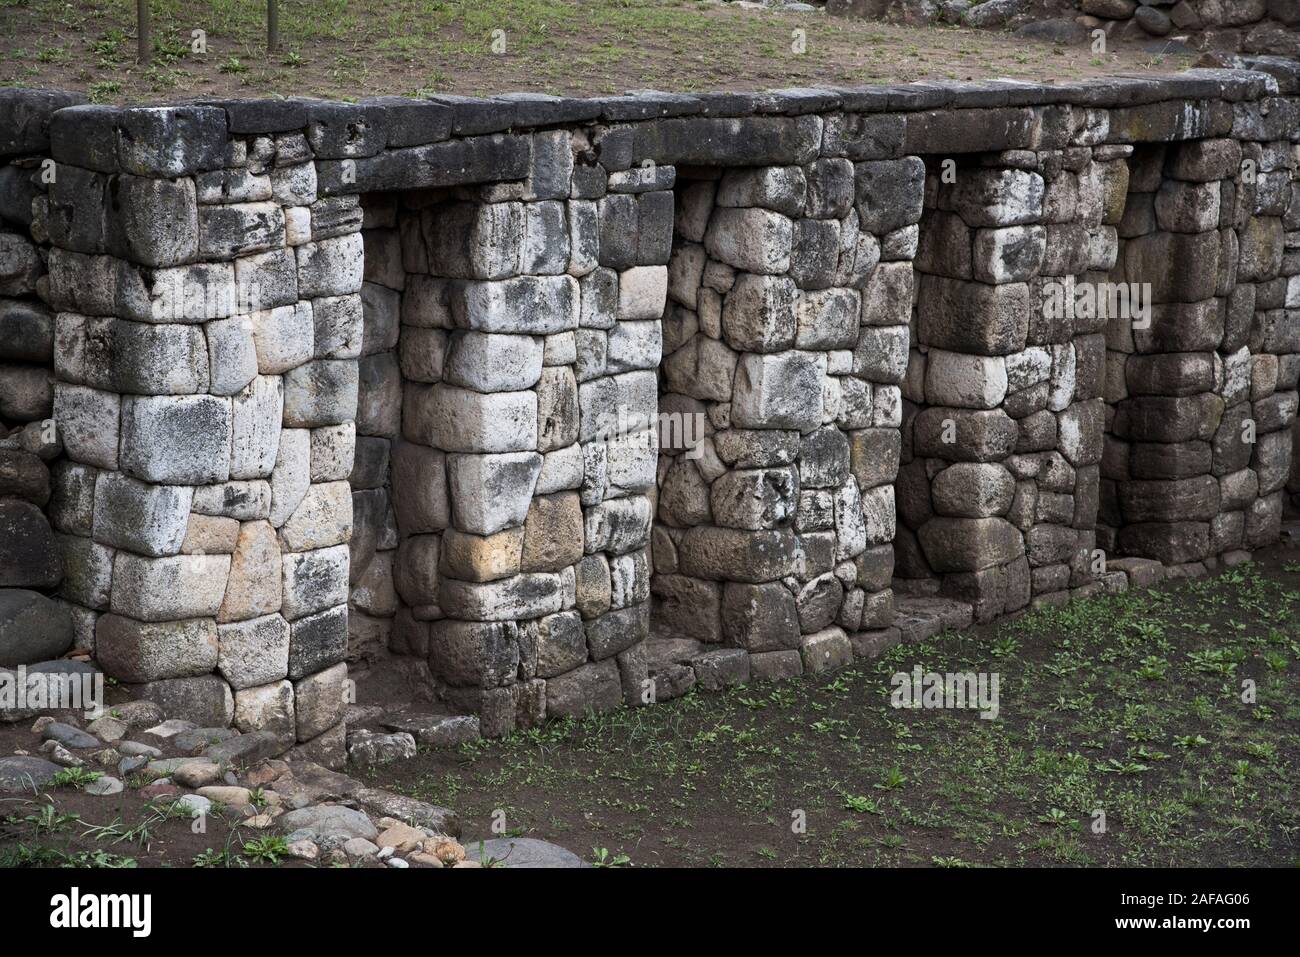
(602, 858)
(1055, 816)
(1152, 669)
(210, 858)
(75, 777)
(891, 779)
(265, 850)
(863, 805)
(1004, 647)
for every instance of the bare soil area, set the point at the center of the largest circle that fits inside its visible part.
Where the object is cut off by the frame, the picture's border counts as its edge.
(352, 48)
(1122, 739)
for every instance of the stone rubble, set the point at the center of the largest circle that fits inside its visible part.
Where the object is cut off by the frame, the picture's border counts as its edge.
(325, 817)
(1265, 27)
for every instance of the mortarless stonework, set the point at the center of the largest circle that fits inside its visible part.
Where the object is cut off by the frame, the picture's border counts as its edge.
(1225, 27)
(584, 402)
(1002, 441)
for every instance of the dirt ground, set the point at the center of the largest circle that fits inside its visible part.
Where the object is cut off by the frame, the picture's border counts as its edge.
(63, 826)
(1128, 705)
(69, 828)
(348, 49)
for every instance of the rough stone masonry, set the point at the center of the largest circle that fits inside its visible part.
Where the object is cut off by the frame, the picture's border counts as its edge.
(583, 402)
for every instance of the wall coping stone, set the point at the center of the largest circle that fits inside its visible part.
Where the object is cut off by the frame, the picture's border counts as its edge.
(25, 115)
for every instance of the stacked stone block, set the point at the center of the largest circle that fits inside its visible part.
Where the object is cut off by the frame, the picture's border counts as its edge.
(1198, 450)
(27, 327)
(530, 331)
(33, 625)
(1269, 27)
(1249, 26)
(785, 345)
(373, 600)
(998, 491)
(206, 344)
(437, 427)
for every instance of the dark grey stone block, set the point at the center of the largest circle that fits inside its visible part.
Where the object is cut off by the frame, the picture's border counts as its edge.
(263, 116)
(473, 116)
(480, 159)
(171, 141)
(539, 109)
(346, 130)
(648, 104)
(25, 118)
(413, 122)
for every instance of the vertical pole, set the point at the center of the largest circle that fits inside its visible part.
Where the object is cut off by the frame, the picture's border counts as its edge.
(144, 32)
(272, 25)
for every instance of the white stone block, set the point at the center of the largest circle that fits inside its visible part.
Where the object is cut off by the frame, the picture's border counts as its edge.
(965, 381)
(536, 305)
(179, 440)
(232, 354)
(291, 475)
(459, 420)
(144, 518)
(751, 239)
(490, 362)
(88, 424)
(314, 581)
(491, 492)
(323, 518)
(333, 452)
(255, 441)
(642, 292)
(284, 337)
(254, 652)
(331, 267)
(170, 588)
(778, 391)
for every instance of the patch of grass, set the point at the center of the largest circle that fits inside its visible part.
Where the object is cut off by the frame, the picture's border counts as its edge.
(1121, 710)
(265, 850)
(75, 777)
(358, 47)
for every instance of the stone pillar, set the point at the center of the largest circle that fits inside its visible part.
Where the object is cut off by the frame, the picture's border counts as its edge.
(206, 383)
(786, 341)
(530, 334)
(373, 600)
(998, 490)
(33, 628)
(1200, 446)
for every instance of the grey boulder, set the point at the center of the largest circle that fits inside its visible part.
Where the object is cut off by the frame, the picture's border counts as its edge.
(522, 852)
(22, 772)
(32, 628)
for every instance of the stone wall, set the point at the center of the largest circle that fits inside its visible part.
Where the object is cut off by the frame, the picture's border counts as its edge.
(206, 343)
(1225, 27)
(1003, 437)
(1197, 448)
(1231, 26)
(583, 402)
(372, 597)
(522, 515)
(786, 343)
(34, 625)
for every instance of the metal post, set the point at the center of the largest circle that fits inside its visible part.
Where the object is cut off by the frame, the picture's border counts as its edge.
(272, 25)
